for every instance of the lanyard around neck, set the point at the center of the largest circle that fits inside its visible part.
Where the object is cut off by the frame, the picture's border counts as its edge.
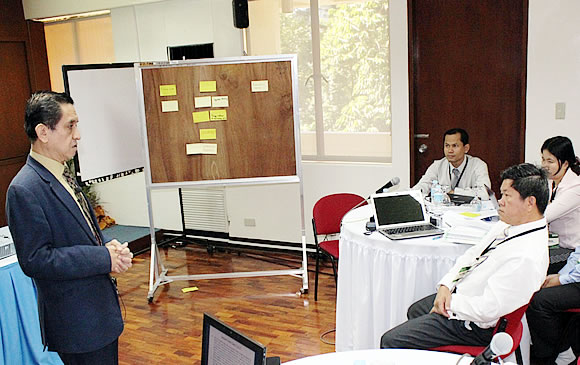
(488, 248)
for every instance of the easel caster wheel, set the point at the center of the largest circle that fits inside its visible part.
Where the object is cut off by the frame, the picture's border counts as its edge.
(304, 291)
(150, 300)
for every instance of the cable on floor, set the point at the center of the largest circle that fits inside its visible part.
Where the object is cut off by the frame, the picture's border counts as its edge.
(326, 333)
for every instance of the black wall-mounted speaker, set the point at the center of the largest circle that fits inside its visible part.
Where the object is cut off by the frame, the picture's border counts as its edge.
(240, 9)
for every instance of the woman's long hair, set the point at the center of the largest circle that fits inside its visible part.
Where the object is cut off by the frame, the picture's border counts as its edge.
(561, 147)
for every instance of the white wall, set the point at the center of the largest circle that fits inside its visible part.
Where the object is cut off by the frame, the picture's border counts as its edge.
(553, 73)
(553, 76)
(143, 32)
(275, 208)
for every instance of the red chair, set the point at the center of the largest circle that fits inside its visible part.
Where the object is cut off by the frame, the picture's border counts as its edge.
(326, 218)
(510, 323)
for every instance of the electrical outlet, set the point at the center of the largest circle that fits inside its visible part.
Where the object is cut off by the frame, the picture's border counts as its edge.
(249, 222)
(560, 110)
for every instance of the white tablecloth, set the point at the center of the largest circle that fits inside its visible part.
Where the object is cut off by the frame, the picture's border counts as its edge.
(383, 357)
(379, 279)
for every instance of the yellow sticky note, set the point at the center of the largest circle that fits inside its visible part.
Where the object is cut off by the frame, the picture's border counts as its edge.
(201, 149)
(207, 134)
(259, 86)
(167, 90)
(207, 86)
(199, 117)
(218, 114)
(187, 290)
(169, 106)
(470, 215)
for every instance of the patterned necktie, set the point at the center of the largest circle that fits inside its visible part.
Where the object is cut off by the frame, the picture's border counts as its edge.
(455, 179)
(82, 201)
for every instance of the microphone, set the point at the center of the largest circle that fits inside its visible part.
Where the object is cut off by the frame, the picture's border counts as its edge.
(501, 344)
(394, 181)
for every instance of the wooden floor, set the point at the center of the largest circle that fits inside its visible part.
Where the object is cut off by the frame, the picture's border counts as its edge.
(267, 309)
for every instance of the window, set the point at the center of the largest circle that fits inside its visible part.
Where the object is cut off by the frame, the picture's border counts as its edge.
(343, 71)
(77, 39)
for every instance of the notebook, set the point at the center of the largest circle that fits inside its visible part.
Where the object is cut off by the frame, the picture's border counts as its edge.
(401, 214)
(221, 344)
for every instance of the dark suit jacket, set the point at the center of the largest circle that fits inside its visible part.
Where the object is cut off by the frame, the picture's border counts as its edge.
(78, 304)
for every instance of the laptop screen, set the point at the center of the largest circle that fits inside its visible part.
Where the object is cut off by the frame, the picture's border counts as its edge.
(222, 344)
(398, 208)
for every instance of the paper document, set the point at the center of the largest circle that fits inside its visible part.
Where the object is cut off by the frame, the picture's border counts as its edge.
(220, 101)
(201, 149)
(203, 102)
(169, 106)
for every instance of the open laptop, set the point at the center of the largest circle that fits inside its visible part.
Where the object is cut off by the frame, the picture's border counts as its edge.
(401, 214)
(221, 344)
(459, 199)
(492, 197)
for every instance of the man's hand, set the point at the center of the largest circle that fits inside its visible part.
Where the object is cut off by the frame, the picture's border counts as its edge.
(442, 301)
(551, 280)
(121, 256)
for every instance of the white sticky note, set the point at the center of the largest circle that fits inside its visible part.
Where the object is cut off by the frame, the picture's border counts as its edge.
(169, 106)
(220, 101)
(259, 86)
(201, 148)
(203, 102)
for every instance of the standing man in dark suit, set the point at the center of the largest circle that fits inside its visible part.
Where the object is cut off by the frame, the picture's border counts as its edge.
(58, 241)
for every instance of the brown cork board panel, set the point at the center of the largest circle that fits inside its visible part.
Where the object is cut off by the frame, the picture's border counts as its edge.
(256, 140)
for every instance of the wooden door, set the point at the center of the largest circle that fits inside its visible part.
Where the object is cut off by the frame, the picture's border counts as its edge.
(24, 69)
(467, 69)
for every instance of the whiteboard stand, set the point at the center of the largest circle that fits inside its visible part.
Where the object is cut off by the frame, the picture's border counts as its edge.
(158, 274)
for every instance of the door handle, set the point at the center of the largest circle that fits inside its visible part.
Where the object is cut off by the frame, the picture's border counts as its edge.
(421, 135)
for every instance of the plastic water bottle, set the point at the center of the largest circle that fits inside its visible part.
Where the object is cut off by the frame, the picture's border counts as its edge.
(437, 195)
(434, 184)
(476, 203)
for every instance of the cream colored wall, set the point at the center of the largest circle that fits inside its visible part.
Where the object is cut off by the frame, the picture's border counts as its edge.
(553, 73)
(276, 208)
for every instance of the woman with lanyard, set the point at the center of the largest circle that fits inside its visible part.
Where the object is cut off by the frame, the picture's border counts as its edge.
(563, 211)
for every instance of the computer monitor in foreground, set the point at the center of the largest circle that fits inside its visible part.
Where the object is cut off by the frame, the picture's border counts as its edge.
(223, 345)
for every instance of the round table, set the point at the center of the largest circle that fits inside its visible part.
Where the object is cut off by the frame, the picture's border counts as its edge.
(383, 357)
(379, 279)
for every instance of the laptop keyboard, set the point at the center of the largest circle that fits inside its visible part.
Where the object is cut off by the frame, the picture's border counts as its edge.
(421, 228)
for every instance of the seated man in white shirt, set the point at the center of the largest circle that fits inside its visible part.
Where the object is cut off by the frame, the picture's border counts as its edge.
(464, 174)
(492, 279)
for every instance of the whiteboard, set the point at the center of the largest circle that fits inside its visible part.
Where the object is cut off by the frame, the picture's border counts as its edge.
(105, 98)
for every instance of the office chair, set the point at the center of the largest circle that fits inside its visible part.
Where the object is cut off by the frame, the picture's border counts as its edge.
(510, 323)
(326, 217)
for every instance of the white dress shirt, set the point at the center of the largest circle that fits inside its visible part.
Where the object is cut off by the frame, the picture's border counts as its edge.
(473, 172)
(563, 213)
(505, 280)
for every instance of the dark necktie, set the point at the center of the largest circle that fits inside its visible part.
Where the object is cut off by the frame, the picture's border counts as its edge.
(82, 202)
